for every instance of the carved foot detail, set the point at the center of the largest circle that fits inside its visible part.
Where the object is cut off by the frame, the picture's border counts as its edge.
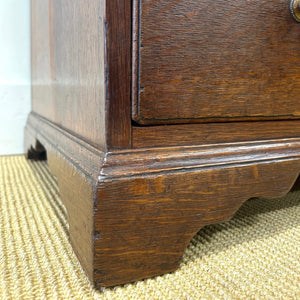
(145, 218)
(133, 212)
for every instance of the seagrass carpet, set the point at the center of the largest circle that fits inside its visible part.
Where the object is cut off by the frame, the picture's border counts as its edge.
(256, 255)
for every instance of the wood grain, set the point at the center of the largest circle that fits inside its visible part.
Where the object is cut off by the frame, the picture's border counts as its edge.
(216, 60)
(76, 165)
(68, 66)
(212, 133)
(151, 161)
(41, 76)
(118, 73)
(151, 203)
(135, 195)
(132, 212)
(78, 67)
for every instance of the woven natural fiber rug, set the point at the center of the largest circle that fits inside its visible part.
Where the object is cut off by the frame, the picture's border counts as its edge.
(254, 256)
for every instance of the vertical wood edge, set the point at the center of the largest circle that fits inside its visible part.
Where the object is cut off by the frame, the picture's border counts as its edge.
(118, 58)
(135, 58)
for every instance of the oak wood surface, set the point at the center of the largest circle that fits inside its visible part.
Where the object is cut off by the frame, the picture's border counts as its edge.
(215, 60)
(78, 67)
(145, 224)
(211, 133)
(135, 195)
(151, 161)
(118, 73)
(81, 61)
(150, 202)
(68, 66)
(76, 165)
(41, 77)
(132, 212)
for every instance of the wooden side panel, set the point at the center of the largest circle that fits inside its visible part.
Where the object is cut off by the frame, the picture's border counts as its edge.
(68, 65)
(78, 67)
(216, 60)
(41, 92)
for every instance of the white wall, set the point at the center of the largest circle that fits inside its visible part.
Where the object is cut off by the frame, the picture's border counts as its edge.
(14, 73)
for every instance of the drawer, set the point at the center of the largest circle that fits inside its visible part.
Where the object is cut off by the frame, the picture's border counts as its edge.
(201, 61)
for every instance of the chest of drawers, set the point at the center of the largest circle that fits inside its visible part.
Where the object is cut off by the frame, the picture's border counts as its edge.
(161, 117)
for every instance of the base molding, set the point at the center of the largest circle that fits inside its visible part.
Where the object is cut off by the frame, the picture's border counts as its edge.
(133, 212)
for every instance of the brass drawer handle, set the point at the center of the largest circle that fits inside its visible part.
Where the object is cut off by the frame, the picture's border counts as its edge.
(295, 9)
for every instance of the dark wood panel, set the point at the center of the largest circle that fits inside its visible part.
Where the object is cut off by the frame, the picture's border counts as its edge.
(41, 77)
(204, 60)
(78, 67)
(212, 133)
(118, 73)
(81, 68)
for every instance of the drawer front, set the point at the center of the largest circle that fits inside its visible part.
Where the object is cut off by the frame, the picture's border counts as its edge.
(204, 60)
